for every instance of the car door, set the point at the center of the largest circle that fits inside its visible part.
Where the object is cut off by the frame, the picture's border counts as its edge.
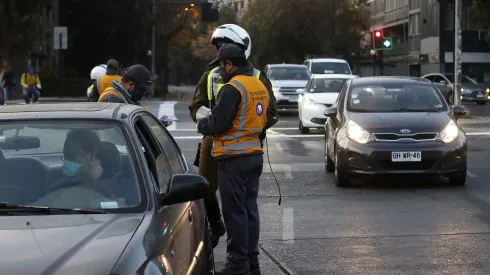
(442, 83)
(186, 232)
(334, 123)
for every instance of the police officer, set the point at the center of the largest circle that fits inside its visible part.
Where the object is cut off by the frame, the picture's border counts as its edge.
(102, 83)
(203, 101)
(236, 122)
(135, 83)
(97, 72)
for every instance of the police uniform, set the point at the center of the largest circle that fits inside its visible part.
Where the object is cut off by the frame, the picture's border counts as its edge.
(237, 121)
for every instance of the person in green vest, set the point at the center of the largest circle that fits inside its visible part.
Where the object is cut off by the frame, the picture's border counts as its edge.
(201, 105)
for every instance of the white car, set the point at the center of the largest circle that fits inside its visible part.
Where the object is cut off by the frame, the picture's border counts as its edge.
(327, 66)
(319, 94)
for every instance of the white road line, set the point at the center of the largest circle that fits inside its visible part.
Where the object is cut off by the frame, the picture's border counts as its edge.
(168, 108)
(471, 175)
(478, 134)
(287, 169)
(278, 146)
(288, 225)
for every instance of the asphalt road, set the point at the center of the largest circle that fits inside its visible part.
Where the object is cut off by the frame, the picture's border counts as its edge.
(398, 226)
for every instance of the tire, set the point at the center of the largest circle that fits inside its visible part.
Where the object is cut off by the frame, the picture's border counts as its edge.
(329, 164)
(207, 265)
(341, 179)
(481, 102)
(450, 99)
(302, 129)
(458, 178)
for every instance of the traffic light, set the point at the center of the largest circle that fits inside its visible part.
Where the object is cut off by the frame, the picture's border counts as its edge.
(377, 39)
(386, 43)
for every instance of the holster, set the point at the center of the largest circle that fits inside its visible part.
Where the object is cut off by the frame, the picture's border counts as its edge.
(198, 155)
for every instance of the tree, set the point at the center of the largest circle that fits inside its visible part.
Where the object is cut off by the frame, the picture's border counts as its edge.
(287, 30)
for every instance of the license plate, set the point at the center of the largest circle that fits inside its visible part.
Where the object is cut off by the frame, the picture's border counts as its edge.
(293, 99)
(479, 95)
(406, 156)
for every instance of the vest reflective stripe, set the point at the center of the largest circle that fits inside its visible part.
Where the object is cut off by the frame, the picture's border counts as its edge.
(104, 82)
(214, 79)
(248, 123)
(112, 92)
(89, 89)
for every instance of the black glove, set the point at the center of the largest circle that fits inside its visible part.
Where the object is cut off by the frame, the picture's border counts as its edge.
(262, 137)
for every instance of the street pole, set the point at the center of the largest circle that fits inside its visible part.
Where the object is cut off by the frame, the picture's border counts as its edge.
(457, 52)
(153, 40)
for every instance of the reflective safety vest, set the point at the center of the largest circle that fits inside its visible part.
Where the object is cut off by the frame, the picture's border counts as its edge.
(249, 122)
(104, 82)
(89, 89)
(215, 83)
(111, 91)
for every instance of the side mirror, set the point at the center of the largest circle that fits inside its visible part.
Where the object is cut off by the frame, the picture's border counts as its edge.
(443, 82)
(184, 188)
(330, 112)
(300, 91)
(459, 111)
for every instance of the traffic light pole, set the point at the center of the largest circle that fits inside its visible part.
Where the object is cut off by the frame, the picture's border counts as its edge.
(457, 52)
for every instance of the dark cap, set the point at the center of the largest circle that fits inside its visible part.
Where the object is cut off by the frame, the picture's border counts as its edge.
(229, 51)
(141, 76)
(112, 64)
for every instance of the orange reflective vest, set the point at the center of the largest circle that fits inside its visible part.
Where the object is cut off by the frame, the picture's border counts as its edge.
(111, 91)
(104, 82)
(249, 122)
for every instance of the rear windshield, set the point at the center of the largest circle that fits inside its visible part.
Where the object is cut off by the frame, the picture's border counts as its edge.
(330, 68)
(289, 73)
(395, 98)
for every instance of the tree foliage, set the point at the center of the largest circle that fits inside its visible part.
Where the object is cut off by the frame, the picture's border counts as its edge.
(287, 30)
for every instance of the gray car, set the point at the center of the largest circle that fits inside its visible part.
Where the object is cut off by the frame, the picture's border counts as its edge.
(286, 79)
(471, 90)
(132, 206)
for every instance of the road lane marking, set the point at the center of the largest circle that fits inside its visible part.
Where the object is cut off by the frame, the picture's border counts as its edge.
(278, 146)
(168, 108)
(288, 225)
(471, 175)
(478, 134)
(289, 175)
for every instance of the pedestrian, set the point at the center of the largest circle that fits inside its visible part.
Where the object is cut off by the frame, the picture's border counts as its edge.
(134, 84)
(236, 122)
(96, 73)
(112, 73)
(31, 85)
(203, 101)
(8, 82)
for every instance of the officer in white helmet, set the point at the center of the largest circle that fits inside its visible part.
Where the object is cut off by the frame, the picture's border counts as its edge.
(201, 106)
(96, 73)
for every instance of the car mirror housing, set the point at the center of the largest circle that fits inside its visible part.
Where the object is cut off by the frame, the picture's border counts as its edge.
(459, 111)
(184, 188)
(330, 112)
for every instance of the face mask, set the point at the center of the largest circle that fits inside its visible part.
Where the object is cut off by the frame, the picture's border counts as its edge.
(71, 168)
(223, 74)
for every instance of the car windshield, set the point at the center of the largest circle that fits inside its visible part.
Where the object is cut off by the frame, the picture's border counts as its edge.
(464, 79)
(381, 97)
(68, 164)
(289, 73)
(330, 85)
(330, 68)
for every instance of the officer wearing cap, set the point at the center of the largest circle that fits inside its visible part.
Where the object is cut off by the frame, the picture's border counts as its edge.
(135, 83)
(236, 122)
(103, 82)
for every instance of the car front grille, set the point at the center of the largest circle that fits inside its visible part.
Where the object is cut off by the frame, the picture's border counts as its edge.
(398, 137)
(288, 90)
(421, 165)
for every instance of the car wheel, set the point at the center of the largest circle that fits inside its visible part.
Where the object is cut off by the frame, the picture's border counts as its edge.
(302, 129)
(458, 178)
(341, 179)
(329, 164)
(481, 102)
(207, 264)
(450, 99)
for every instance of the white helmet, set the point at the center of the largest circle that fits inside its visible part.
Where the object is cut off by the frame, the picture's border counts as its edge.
(232, 33)
(98, 71)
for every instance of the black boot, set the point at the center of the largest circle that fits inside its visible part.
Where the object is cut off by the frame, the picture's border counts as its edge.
(217, 231)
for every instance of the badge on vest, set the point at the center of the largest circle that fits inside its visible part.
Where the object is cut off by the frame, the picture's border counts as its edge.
(259, 109)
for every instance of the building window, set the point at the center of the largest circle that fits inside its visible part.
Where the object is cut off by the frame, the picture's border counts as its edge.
(242, 5)
(413, 28)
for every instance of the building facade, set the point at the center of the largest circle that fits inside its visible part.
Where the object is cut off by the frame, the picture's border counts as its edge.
(241, 7)
(423, 37)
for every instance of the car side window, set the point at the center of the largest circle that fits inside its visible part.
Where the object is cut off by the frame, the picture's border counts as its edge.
(429, 77)
(438, 79)
(167, 144)
(154, 157)
(342, 92)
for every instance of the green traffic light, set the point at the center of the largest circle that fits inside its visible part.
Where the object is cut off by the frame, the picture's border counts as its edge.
(387, 43)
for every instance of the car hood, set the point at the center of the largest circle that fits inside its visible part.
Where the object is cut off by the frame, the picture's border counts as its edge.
(394, 122)
(289, 83)
(323, 98)
(64, 244)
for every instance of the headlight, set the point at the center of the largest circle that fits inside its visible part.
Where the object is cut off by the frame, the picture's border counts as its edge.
(358, 134)
(312, 103)
(487, 90)
(449, 133)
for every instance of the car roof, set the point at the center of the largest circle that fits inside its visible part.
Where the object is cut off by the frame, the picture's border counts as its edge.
(390, 79)
(328, 76)
(286, 65)
(333, 60)
(83, 110)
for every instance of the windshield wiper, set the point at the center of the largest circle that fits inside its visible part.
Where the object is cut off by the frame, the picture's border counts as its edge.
(11, 209)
